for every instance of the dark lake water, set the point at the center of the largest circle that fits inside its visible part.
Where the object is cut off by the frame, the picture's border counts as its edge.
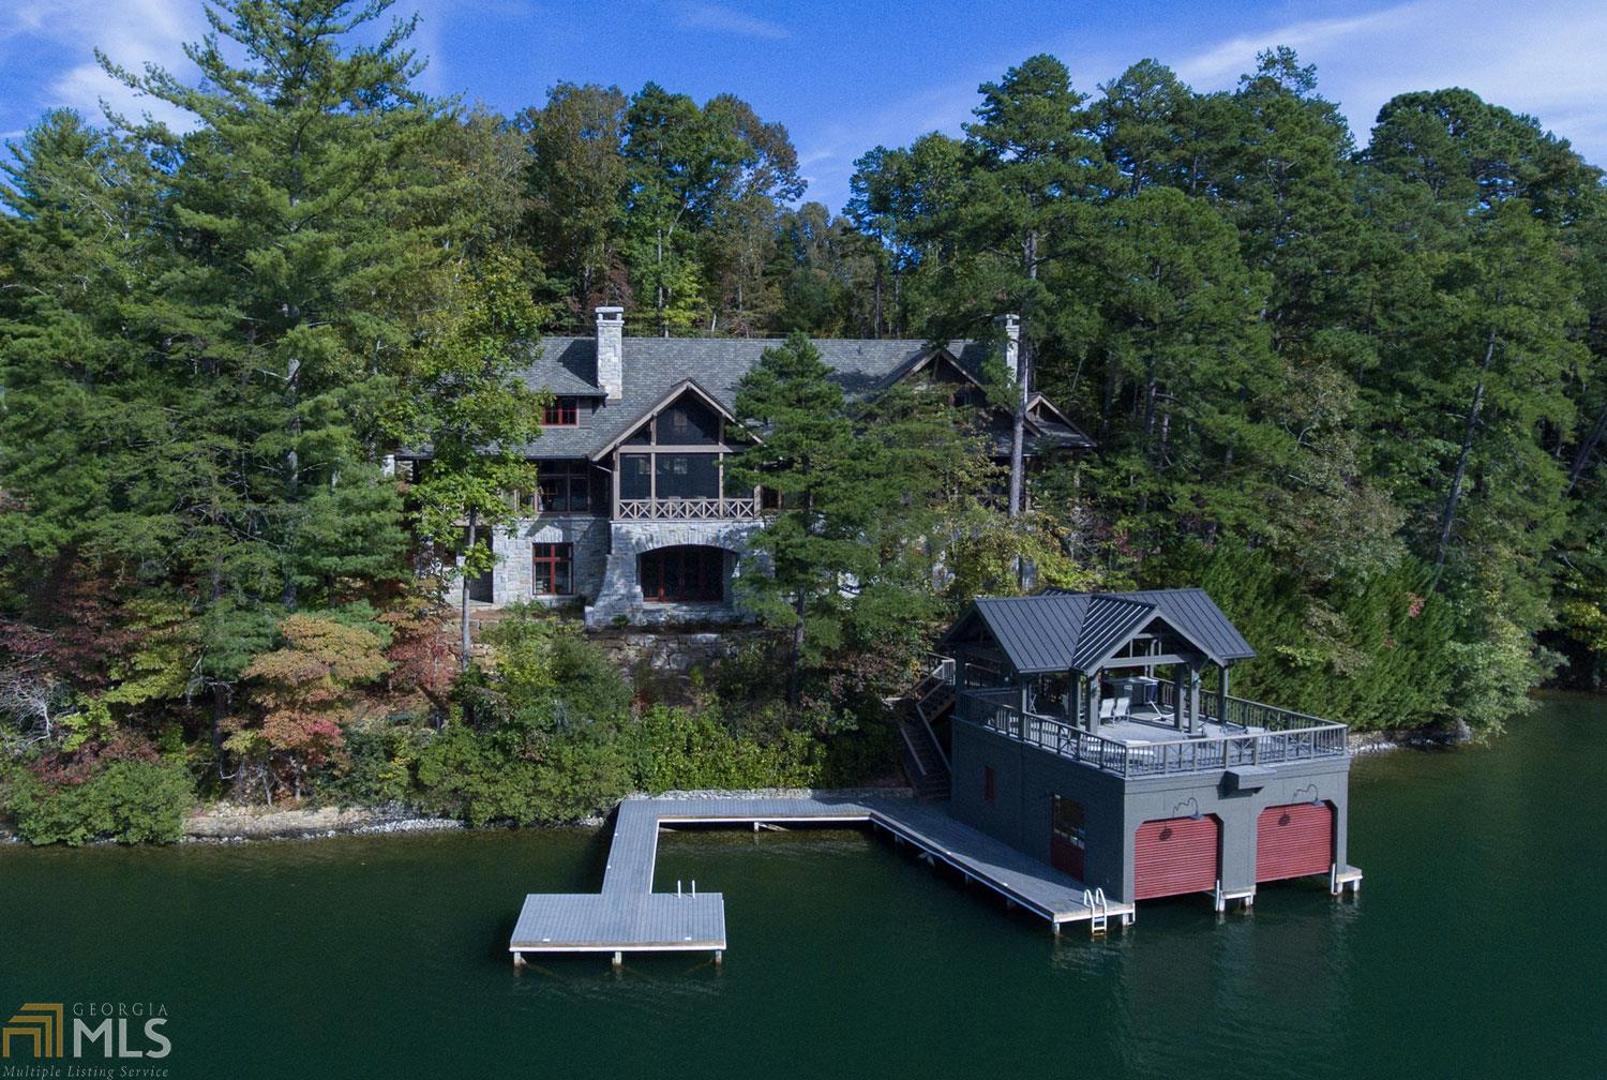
(1478, 948)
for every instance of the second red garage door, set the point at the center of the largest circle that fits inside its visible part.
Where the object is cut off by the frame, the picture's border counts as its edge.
(1293, 841)
(1175, 855)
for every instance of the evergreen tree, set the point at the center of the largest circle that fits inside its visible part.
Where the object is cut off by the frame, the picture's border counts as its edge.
(1038, 170)
(468, 406)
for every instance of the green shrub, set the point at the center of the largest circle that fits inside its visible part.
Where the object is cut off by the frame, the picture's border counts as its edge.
(678, 749)
(131, 802)
(378, 767)
(497, 776)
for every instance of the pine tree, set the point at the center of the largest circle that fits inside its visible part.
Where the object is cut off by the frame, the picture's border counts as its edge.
(1038, 170)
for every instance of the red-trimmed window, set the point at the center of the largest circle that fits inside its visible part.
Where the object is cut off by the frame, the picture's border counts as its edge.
(990, 784)
(552, 569)
(561, 412)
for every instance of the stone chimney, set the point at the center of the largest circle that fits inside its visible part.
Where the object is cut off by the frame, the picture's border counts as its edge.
(611, 351)
(1011, 325)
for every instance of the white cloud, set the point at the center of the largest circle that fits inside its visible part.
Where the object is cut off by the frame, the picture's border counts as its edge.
(724, 20)
(1544, 59)
(1229, 59)
(130, 32)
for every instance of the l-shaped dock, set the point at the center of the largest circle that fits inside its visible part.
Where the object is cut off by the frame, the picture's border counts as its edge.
(628, 916)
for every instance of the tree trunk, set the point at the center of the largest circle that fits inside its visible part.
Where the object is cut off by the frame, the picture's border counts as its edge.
(220, 709)
(659, 297)
(1018, 422)
(795, 668)
(876, 303)
(1587, 448)
(463, 612)
(292, 466)
(1448, 517)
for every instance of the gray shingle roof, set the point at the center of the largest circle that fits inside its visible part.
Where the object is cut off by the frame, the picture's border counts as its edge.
(1057, 630)
(655, 366)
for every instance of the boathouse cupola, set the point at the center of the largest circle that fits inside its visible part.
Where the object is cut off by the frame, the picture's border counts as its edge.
(611, 351)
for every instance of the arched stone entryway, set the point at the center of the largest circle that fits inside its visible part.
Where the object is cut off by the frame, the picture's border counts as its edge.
(663, 572)
(685, 574)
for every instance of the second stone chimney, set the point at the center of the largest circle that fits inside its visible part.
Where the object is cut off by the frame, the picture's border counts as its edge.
(1011, 325)
(611, 351)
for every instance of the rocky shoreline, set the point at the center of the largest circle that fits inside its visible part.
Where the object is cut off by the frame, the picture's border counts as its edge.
(232, 823)
(1379, 742)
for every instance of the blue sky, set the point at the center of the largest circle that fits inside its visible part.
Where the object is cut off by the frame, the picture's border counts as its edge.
(845, 75)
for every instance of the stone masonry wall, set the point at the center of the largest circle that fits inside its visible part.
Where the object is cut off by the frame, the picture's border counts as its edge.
(620, 595)
(511, 580)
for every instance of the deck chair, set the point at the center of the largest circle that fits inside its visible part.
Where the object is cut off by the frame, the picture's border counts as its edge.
(1107, 708)
(1124, 706)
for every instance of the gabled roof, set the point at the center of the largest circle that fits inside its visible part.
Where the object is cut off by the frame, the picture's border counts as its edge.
(654, 366)
(685, 386)
(1059, 630)
(1108, 623)
(1192, 613)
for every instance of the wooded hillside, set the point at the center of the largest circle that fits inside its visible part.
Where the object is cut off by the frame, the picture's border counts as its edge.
(1358, 393)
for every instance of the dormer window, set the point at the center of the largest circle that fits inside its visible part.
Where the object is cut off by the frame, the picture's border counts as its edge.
(561, 412)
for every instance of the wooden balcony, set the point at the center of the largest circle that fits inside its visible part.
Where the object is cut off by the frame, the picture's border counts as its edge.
(1271, 737)
(701, 509)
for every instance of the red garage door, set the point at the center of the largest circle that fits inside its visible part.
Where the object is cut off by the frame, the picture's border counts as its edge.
(1175, 855)
(1293, 841)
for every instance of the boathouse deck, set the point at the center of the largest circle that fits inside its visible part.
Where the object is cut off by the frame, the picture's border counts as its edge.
(628, 916)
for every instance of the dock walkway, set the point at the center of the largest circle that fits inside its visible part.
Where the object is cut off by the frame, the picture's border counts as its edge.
(628, 916)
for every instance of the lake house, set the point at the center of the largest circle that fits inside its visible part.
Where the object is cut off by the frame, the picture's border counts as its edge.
(1096, 732)
(634, 516)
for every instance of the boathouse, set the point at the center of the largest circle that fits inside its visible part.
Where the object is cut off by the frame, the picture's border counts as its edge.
(1094, 759)
(1096, 732)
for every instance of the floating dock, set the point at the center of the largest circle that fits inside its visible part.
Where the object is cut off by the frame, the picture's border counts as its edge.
(628, 916)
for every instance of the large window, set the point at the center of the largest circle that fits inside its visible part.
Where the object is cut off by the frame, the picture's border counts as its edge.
(561, 412)
(564, 486)
(688, 422)
(635, 476)
(685, 574)
(552, 569)
(688, 476)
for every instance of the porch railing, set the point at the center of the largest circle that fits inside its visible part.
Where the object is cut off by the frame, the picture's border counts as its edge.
(1000, 711)
(700, 509)
(1242, 712)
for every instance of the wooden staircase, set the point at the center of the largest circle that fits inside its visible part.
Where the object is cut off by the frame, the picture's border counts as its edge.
(925, 762)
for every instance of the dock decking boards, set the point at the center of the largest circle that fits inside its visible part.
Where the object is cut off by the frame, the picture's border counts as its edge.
(628, 916)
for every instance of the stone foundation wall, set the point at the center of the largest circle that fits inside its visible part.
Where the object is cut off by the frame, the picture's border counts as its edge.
(511, 580)
(673, 652)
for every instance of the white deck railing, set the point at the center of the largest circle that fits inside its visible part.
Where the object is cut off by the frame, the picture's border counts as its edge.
(700, 509)
(999, 710)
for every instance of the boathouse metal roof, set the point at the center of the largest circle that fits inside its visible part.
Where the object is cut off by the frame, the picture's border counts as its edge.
(1061, 630)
